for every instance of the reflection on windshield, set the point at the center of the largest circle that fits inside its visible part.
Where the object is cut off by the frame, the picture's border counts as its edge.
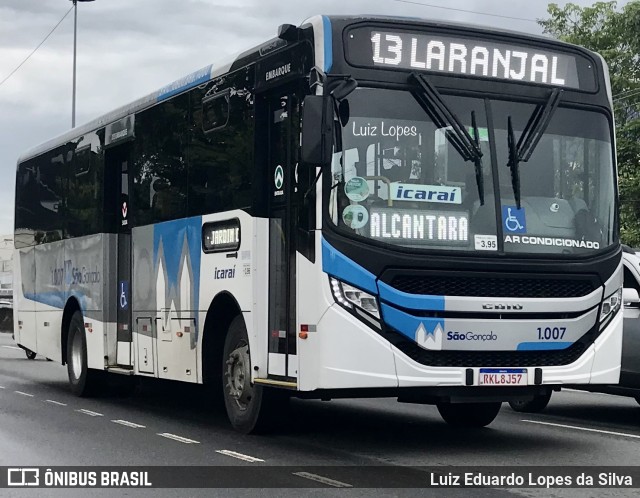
(401, 180)
(567, 184)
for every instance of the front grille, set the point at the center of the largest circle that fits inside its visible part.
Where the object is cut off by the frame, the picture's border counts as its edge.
(488, 286)
(491, 358)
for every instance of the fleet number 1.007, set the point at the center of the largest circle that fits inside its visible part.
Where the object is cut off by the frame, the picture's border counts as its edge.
(551, 333)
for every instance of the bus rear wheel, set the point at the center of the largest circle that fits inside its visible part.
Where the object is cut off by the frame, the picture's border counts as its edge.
(31, 355)
(535, 405)
(251, 408)
(469, 414)
(84, 381)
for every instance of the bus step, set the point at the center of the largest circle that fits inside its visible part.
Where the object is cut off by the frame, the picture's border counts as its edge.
(121, 370)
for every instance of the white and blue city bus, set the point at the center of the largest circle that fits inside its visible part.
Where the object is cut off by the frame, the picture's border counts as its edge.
(360, 207)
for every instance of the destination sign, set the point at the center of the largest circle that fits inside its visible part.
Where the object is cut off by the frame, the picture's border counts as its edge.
(419, 227)
(465, 56)
(221, 236)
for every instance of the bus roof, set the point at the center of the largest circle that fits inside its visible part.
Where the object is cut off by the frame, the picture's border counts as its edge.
(321, 25)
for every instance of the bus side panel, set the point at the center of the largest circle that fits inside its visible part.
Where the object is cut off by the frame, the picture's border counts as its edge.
(147, 308)
(166, 288)
(343, 352)
(84, 275)
(257, 325)
(313, 302)
(24, 307)
(51, 275)
(232, 272)
(607, 346)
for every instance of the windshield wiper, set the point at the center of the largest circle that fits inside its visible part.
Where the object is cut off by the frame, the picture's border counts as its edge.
(477, 160)
(468, 147)
(533, 131)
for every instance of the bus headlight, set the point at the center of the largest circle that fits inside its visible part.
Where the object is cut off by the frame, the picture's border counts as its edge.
(350, 297)
(610, 306)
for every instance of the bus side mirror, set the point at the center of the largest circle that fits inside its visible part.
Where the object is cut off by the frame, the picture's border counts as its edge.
(317, 130)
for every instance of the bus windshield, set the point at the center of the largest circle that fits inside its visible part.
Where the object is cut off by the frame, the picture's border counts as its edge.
(402, 177)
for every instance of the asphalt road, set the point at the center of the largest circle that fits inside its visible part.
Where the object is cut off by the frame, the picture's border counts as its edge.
(163, 423)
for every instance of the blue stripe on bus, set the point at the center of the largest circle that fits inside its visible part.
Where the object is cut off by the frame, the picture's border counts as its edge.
(338, 265)
(172, 236)
(411, 301)
(57, 299)
(407, 324)
(328, 44)
(543, 346)
(189, 81)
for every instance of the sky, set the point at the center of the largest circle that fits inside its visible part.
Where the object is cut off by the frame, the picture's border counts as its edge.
(130, 48)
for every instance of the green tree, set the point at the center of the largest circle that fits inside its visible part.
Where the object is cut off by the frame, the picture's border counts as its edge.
(615, 34)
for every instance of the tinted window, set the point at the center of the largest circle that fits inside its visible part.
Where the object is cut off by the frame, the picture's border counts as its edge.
(221, 161)
(51, 173)
(160, 162)
(27, 206)
(84, 200)
(215, 112)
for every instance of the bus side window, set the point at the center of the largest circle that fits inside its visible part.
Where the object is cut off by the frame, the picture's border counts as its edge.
(51, 174)
(84, 199)
(215, 112)
(221, 164)
(160, 162)
(207, 173)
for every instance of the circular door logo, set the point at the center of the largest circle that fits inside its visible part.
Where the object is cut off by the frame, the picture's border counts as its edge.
(356, 189)
(355, 216)
(278, 177)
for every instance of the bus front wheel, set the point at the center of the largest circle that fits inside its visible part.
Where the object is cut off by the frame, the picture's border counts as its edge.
(469, 414)
(83, 380)
(250, 407)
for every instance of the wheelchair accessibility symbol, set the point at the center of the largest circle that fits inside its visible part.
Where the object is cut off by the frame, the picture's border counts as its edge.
(514, 219)
(124, 292)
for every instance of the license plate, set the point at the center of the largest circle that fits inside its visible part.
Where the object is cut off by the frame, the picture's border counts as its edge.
(503, 376)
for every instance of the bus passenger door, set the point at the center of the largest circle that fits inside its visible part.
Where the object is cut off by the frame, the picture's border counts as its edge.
(118, 162)
(283, 116)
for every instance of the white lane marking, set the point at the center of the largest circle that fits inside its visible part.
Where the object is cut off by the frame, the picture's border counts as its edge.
(588, 392)
(2, 387)
(24, 394)
(55, 402)
(323, 480)
(586, 429)
(11, 347)
(239, 456)
(89, 412)
(129, 424)
(178, 438)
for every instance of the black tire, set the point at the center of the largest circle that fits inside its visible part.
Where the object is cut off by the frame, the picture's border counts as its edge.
(251, 408)
(469, 414)
(535, 405)
(31, 355)
(84, 381)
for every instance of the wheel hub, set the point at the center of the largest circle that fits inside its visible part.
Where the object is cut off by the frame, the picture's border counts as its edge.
(238, 376)
(76, 356)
